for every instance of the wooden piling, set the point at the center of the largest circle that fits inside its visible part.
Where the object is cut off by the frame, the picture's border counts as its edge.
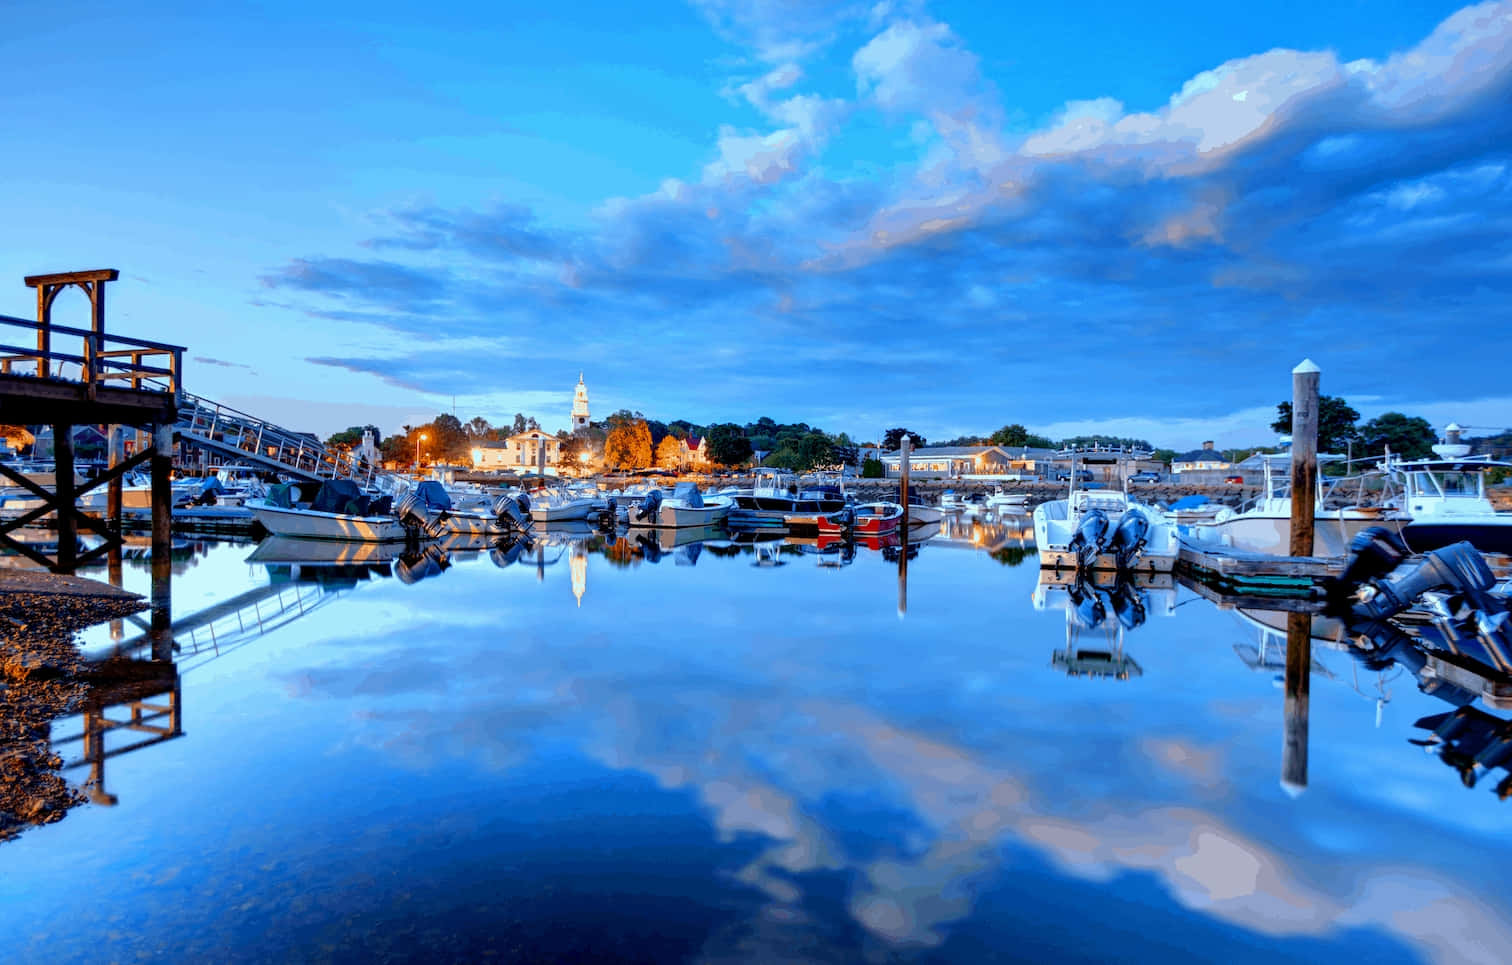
(63, 489)
(162, 492)
(1295, 709)
(117, 454)
(905, 447)
(1304, 456)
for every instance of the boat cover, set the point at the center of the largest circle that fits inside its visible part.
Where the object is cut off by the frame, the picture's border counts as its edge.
(340, 496)
(688, 494)
(1190, 502)
(433, 496)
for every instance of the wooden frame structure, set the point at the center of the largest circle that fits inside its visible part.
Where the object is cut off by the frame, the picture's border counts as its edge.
(121, 381)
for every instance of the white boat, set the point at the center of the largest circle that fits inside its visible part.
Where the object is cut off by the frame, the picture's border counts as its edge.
(1444, 500)
(1264, 523)
(312, 511)
(687, 506)
(1007, 504)
(922, 514)
(951, 502)
(1102, 529)
(560, 505)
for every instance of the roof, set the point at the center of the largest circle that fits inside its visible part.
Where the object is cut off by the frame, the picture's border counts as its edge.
(533, 434)
(694, 442)
(929, 451)
(1200, 455)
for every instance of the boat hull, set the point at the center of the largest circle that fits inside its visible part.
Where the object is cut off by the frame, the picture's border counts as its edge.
(581, 509)
(672, 515)
(1271, 534)
(306, 524)
(1488, 536)
(923, 515)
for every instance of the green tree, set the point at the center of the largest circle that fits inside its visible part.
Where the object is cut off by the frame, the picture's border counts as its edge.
(351, 436)
(1410, 437)
(448, 440)
(478, 428)
(728, 445)
(519, 423)
(1164, 455)
(872, 469)
(1336, 423)
(894, 439)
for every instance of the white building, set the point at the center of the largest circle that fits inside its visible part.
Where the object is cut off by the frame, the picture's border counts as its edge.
(519, 453)
(580, 406)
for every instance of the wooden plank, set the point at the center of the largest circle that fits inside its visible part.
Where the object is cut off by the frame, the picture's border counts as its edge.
(1235, 562)
(72, 277)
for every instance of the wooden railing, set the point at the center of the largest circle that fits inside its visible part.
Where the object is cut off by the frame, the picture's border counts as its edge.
(143, 365)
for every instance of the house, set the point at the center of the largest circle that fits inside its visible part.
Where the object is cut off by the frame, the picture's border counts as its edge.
(520, 452)
(1206, 459)
(950, 461)
(695, 453)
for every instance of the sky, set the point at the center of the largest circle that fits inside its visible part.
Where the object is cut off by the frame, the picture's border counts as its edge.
(1128, 219)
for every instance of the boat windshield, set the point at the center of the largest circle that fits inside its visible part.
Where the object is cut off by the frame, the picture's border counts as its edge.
(1446, 483)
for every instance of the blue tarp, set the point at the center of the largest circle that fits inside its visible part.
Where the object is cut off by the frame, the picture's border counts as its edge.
(1190, 502)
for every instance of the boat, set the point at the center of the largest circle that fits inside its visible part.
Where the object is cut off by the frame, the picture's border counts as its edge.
(1263, 524)
(1006, 504)
(776, 500)
(560, 505)
(1104, 529)
(332, 509)
(1443, 499)
(921, 513)
(686, 506)
(865, 519)
(951, 502)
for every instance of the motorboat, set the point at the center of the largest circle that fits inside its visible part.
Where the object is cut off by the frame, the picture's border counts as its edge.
(1443, 500)
(777, 500)
(560, 505)
(951, 502)
(921, 513)
(1264, 523)
(686, 506)
(1101, 529)
(331, 509)
(865, 519)
(1006, 504)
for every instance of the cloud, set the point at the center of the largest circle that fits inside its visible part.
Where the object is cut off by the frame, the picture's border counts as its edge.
(1277, 205)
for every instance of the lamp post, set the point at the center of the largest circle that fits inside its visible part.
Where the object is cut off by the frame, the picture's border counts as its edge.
(583, 459)
(418, 439)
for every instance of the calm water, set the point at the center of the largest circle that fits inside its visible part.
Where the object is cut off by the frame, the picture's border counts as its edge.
(718, 754)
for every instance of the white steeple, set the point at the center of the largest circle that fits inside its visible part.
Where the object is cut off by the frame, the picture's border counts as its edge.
(580, 406)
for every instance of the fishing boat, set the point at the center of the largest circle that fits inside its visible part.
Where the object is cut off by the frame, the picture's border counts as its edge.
(1103, 530)
(686, 506)
(1007, 504)
(1263, 524)
(332, 509)
(1443, 500)
(776, 500)
(951, 502)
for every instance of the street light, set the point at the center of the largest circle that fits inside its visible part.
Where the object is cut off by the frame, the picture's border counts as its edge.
(583, 458)
(418, 440)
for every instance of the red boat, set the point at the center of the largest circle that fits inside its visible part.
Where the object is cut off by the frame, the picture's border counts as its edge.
(865, 519)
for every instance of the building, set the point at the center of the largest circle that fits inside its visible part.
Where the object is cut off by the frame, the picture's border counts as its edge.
(950, 461)
(580, 406)
(695, 453)
(1206, 459)
(518, 453)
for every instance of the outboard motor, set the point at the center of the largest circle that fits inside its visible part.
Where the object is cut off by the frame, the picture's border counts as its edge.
(1087, 606)
(1130, 537)
(508, 550)
(410, 510)
(1129, 604)
(1458, 567)
(609, 515)
(511, 513)
(1087, 541)
(414, 567)
(650, 506)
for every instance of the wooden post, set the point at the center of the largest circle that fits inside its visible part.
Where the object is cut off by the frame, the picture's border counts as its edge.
(905, 448)
(1295, 710)
(117, 454)
(162, 543)
(63, 489)
(1304, 456)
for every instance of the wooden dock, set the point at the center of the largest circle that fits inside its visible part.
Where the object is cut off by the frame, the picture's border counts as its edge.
(1247, 573)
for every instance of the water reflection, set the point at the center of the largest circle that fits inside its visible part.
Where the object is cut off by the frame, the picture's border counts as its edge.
(843, 786)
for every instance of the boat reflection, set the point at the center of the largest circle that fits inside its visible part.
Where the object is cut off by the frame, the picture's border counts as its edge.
(1114, 608)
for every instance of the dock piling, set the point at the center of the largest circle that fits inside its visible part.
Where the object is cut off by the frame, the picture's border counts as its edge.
(905, 446)
(1295, 710)
(1304, 456)
(117, 455)
(63, 487)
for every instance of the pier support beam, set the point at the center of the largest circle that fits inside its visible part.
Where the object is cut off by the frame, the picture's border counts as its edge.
(1295, 710)
(162, 544)
(1304, 456)
(116, 455)
(63, 487)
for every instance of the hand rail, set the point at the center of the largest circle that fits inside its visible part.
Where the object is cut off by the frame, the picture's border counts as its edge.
(97, 364)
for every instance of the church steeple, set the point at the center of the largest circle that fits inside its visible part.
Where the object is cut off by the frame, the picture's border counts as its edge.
(580, 405)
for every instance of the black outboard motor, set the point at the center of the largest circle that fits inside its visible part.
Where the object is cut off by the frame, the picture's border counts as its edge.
(410, 510)
(1088, 540)
(1458, 567)
(1130, 537)
(414, 567)
(650, 506)
(1087, 605)
(1129, 604)
(510, 512)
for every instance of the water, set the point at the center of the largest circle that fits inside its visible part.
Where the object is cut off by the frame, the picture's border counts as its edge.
(593, 756)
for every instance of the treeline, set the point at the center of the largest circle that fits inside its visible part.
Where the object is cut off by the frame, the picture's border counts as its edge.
(1340, 430)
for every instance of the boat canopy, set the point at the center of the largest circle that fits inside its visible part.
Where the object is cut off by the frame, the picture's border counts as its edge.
(1190, 502)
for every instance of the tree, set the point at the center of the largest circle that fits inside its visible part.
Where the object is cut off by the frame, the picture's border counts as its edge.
(519, 423)
(448, 440)
(531, 425)
(1014, 434)
(728, 445)
(628, 446)
(352, 436)
(669, 452)
(815, 449)
(873, 469)
(1410, 437)
(894, 439)
(1336, 423)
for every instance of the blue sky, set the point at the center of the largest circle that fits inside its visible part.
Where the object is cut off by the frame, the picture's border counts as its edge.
(945, 215)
